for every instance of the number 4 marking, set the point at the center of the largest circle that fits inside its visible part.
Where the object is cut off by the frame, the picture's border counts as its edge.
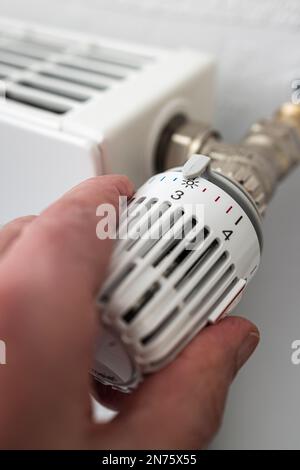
(227, 234)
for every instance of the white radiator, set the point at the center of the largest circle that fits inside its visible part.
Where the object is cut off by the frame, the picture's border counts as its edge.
(74, 106)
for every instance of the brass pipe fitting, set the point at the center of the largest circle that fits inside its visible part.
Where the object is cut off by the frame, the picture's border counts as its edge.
(267, 153)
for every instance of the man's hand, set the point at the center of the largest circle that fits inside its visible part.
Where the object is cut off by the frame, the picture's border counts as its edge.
(51, 269)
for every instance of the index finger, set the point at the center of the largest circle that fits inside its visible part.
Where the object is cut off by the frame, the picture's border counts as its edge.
(60, 258)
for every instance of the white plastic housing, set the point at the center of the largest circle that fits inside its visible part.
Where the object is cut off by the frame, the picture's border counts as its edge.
(160, 293)
(74, 106)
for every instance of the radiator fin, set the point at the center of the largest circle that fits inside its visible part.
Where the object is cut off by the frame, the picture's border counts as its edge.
(55, 76)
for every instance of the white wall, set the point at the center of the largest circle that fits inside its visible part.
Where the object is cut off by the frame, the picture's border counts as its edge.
(257, 46)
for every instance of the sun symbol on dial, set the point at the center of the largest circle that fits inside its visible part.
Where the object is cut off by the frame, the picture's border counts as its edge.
(190, 183)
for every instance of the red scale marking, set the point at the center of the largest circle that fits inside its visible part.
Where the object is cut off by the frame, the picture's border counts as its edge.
(203, 190)
(229, 209)
(217, 198)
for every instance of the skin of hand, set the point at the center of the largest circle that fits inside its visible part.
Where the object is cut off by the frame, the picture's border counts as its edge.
(51, 269)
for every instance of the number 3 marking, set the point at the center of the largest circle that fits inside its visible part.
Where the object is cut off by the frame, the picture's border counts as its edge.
(178, 195)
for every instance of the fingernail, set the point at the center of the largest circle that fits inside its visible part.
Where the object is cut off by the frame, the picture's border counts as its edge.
(247, 349)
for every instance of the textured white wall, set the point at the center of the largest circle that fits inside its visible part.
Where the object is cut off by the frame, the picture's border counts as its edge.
(257, 46)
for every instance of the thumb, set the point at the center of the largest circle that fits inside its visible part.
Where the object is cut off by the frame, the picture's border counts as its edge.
(182, 405)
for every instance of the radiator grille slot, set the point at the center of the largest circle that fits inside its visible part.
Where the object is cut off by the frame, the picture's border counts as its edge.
(7, 70)
(69, 77)
(19, 51)
(88, 67)
(11, 64)
(114, 56)
(102, 59)
(38, 102)
(73, 70)
(16, 61)
(37, 41)
(54, 88)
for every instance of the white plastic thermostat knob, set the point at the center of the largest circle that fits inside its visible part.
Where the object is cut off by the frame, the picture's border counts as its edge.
(193, 242)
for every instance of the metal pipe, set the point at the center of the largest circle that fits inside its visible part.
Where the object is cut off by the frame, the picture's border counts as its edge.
(267, 153)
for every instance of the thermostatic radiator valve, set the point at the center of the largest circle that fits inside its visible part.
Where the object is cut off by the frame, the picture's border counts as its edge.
(267, 153)
(193, 242)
